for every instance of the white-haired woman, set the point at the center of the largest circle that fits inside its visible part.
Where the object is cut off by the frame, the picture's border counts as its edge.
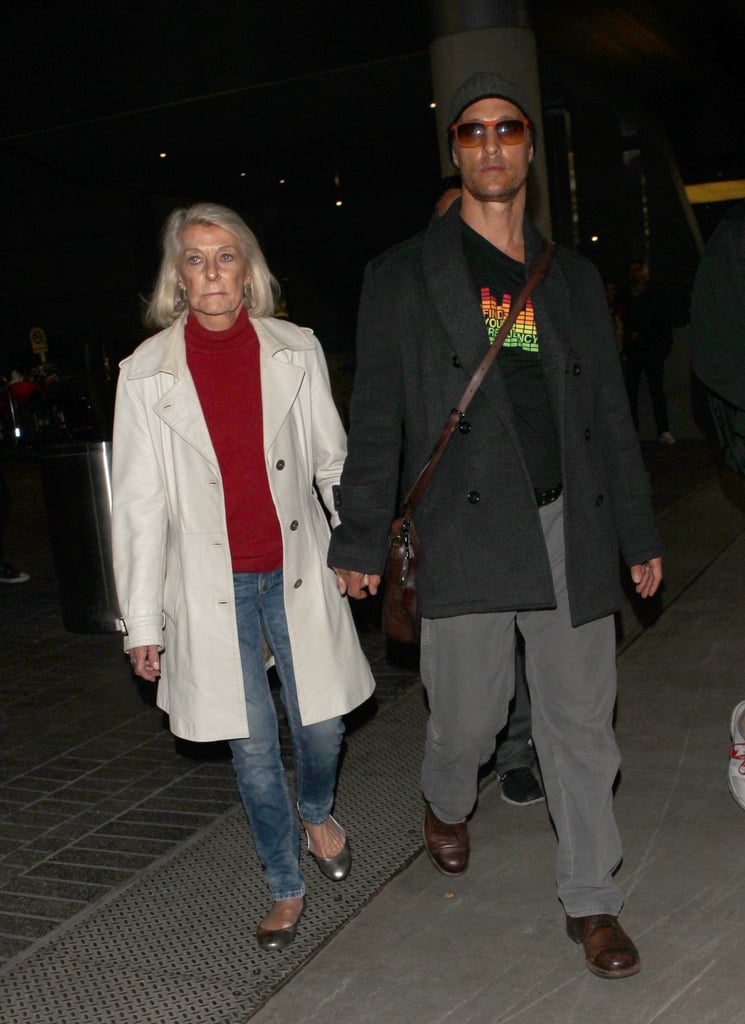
(225, 434)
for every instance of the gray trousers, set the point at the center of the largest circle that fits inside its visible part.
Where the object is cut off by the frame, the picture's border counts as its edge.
(468, 666)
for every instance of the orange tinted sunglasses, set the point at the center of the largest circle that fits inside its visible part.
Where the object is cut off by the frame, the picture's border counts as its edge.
(510, 131)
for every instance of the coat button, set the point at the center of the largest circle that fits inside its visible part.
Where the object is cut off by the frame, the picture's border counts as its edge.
(456, 362)
(294, 524)
(474, 497)
(599, 500)
(280, 464)
(576, 370)
(464, 426)
(588, 434)
(297, 584)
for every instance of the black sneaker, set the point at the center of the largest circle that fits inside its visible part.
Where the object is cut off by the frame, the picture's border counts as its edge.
(9, 574)
(520, 786)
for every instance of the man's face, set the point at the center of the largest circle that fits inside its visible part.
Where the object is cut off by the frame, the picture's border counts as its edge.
(492, 171)
(637, 273)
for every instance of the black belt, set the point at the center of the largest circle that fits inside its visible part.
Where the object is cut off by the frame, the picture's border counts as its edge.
(546, 497)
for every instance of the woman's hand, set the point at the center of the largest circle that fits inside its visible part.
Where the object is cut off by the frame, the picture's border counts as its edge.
(145, 662)
(356, 584)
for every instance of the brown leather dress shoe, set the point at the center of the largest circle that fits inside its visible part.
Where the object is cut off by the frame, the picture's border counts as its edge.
(609, 952)
(447, 845)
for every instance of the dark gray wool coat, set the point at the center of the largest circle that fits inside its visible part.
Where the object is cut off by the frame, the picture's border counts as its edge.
(421, 335)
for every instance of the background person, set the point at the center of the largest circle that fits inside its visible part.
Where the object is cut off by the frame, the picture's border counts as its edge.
(8, 573)
(647, 342)
(224, 428)
(718, 356)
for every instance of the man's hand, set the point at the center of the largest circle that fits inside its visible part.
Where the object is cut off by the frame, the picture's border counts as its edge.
(145, 662)
(647, 577)
(356, 584)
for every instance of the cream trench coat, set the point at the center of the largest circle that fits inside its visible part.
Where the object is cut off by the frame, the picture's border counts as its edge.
(170, 543)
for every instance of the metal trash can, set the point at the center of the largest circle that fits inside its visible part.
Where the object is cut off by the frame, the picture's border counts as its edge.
(77, 491)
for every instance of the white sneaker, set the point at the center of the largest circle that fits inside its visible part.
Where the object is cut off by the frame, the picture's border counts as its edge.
(736, 772)
(9, 574)
(666, 437)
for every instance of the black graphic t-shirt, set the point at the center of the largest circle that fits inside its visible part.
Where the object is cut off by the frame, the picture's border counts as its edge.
(499, 280)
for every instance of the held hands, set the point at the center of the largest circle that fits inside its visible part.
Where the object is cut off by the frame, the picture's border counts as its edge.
(647, 576)
(145, 662)
(356, 584)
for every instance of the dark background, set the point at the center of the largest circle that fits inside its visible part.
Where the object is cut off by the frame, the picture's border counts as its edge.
(331, 98)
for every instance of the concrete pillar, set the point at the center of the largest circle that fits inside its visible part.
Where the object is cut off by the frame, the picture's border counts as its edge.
(488, 35)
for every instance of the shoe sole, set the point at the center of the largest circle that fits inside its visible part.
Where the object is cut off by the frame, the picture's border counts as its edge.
(738, 799)
(523, 803)
(733, 727)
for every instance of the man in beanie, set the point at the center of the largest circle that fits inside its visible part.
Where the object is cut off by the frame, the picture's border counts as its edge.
(522, 522)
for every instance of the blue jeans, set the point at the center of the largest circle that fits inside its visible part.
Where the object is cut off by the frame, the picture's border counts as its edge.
(257, 759)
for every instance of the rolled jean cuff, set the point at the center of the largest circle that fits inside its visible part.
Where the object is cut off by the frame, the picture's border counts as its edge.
(295, 894)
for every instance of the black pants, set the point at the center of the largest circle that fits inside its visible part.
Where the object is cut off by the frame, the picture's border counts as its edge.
(4, 506)
(653, 368)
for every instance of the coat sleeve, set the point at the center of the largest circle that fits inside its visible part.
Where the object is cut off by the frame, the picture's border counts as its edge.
(329, 442)
(139, 518)
(367, 498)
(718, 312)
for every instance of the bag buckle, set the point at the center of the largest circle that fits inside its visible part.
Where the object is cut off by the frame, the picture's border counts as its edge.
(406, 538)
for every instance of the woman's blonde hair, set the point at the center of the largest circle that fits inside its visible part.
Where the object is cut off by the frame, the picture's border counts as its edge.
(166, 303)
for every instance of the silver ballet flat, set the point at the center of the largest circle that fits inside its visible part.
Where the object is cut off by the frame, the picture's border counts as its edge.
(334, 868)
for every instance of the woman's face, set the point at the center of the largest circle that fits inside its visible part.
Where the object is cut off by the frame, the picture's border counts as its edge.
(213, 271)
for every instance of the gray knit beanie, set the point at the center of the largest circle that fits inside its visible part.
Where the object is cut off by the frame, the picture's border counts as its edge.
(479, 86)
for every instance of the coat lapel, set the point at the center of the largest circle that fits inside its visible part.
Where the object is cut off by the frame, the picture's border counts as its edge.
(551, 294)
(453, 298)
(178, 405)
(281, 379)
(180, 410)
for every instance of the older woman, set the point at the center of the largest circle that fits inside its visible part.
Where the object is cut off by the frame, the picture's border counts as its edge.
(225, 434)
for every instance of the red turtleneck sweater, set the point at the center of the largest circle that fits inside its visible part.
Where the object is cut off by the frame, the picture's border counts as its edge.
(225, 368)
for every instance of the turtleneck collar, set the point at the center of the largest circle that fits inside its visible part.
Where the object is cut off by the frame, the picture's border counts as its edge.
(199, 339)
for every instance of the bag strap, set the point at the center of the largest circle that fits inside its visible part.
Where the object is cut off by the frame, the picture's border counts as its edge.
(537, 272)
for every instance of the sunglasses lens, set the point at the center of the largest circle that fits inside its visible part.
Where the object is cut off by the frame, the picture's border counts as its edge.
(511, 132)
(470, 133)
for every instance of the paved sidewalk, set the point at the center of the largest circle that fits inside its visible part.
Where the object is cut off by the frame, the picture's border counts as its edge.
(117, 839)
(489, 947)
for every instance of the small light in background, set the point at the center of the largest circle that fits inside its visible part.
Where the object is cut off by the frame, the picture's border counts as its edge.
(433, 105)
(595, 238)
(243, 174)
(162, 155)
(282, 181)
(339, 202)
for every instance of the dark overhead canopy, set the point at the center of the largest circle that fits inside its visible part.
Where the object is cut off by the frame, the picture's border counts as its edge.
(293, 91)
